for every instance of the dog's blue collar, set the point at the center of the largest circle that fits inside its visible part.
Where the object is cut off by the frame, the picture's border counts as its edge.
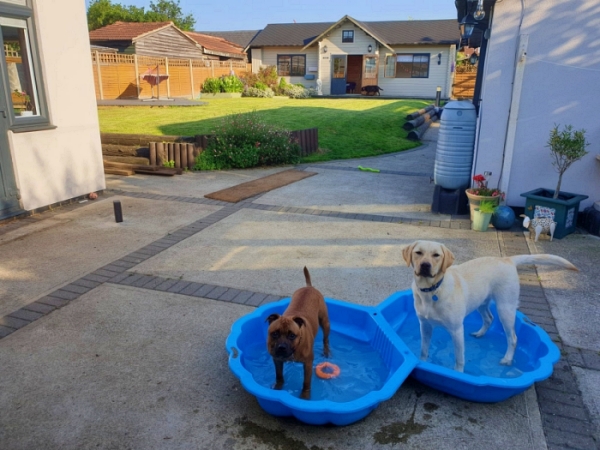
(433, 288)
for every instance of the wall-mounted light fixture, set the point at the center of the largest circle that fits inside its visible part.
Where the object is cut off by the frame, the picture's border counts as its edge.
(439, 58)
(469, 22)
(370, 48)
(466, 26)
(324, 49)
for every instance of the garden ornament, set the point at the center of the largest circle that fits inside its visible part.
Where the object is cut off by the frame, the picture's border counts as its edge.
(542, 222)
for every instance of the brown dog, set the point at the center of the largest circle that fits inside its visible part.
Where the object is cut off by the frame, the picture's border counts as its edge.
(291, 336)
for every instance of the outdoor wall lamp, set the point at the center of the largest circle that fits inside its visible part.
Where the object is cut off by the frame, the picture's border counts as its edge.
(324, 49)
(469, 22)
(466, 26)
(370, 48)
(439, 58)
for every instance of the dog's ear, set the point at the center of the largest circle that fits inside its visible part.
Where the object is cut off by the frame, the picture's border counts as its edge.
(299, 321)
(448, 258)
(407, 253)
(272, 318)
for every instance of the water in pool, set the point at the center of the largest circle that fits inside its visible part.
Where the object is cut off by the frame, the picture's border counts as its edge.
(482, 355)
(362, 369)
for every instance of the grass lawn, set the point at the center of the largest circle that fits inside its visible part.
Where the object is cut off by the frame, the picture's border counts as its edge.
(348, 128)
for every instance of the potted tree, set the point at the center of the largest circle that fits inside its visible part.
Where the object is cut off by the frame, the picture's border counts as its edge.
(566, 147)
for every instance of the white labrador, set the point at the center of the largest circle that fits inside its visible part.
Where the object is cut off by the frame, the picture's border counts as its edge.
(445, 295)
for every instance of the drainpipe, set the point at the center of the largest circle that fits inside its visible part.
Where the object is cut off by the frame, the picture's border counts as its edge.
(515, 103)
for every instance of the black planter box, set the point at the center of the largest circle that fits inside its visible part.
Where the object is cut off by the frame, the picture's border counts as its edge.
(566, 206)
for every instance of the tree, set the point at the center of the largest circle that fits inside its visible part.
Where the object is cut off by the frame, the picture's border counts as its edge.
(104, 12)
(566, 147)
(164, 10)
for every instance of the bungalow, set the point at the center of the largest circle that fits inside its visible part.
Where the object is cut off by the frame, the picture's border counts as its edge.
(403, 58)
(539, 66)
(50, 148)
(164, 39)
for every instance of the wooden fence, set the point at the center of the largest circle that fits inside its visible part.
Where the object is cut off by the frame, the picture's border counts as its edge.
(119, 76)
(464, 85)
(184, 153)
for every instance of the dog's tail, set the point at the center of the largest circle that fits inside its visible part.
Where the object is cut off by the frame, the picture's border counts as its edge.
(544, 259)
(307, 276)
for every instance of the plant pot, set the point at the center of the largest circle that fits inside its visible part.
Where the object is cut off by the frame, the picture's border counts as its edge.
(26, 113)
(481, 220)
(566, 206)
(475, 200)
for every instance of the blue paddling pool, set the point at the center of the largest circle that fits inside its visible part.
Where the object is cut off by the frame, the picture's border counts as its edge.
(484, 378)
(376, 349)
(373, 364)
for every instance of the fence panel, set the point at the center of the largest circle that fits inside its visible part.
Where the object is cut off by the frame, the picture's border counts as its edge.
(464, 85)
(117, 75)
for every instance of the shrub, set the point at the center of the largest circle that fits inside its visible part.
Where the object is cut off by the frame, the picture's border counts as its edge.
(255, 92)
(211, 86)
(266, 75)
(245, 140)
(231, 83)
(298, 91)
(261, 86)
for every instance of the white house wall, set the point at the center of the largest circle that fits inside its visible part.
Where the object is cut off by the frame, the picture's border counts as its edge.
(559, 86)
(335, 46)
(269, 58)
(66, 162)
(439, 74)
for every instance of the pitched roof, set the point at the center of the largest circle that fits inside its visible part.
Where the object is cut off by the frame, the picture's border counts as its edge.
(393, 32)
(217, 45)
(240, 37)
(126, 31)
(289, 34)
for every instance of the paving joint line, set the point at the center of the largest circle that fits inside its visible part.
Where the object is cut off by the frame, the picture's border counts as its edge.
(566, 420)
(462, 222)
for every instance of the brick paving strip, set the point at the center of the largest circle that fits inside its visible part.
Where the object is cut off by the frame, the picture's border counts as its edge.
(565, 418)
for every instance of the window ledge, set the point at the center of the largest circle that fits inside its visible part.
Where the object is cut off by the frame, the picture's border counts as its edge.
(26, 128)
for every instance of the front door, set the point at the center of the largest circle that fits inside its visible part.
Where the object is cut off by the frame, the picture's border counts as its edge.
(9, 201)
(338, 75)
(370, 69)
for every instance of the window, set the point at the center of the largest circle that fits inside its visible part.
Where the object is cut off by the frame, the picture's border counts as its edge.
(407, 66)
(348, 36)
(370, 67)
(21, 68)
(291, 65)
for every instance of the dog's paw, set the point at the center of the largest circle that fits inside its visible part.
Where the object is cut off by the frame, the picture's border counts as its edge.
(459, 368)
(506, 362)
(478, 334)
(278, 386)
(305, 395)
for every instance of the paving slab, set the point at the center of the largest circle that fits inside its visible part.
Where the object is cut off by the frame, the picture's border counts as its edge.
(262, 251)
(128, 368)
(55, 251)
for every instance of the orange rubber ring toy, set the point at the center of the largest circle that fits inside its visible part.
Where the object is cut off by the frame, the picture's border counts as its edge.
(320, 370)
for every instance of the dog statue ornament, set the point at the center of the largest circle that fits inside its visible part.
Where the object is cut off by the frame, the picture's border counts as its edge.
(542, 222)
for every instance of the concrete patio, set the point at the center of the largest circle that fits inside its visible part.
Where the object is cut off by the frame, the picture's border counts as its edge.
(112, 335)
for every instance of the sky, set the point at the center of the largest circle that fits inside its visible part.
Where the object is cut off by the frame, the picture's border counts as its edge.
(230, 15)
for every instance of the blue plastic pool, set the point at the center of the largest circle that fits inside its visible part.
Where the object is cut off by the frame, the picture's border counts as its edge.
(376, 349)
(484, 379)
(374, 362)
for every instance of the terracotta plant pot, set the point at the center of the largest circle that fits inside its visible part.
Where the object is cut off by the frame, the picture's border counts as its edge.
(475, 200)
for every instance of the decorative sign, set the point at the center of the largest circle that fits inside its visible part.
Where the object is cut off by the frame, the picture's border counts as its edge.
(570, 218)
